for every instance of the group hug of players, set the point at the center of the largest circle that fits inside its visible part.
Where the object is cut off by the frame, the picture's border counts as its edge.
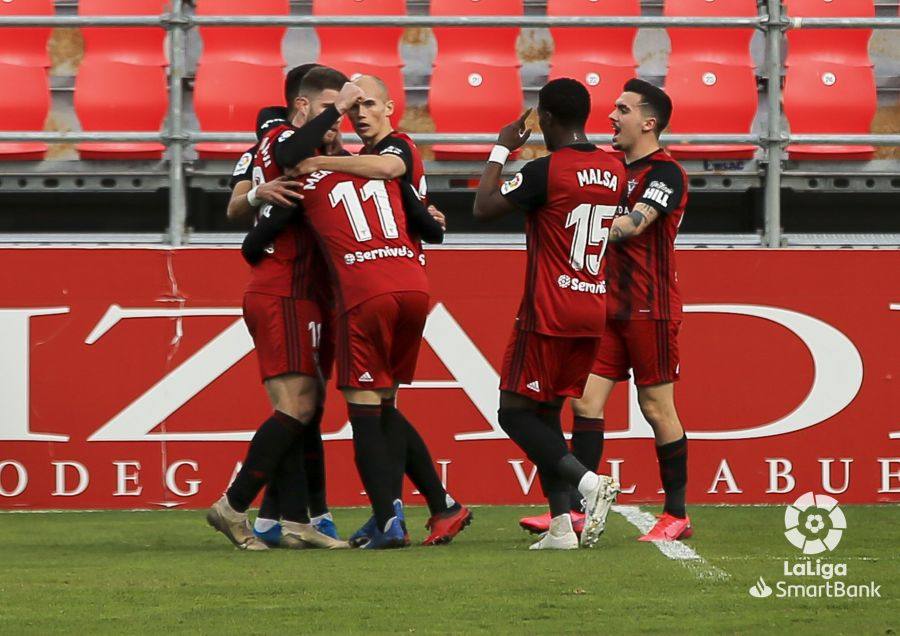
(338, 279)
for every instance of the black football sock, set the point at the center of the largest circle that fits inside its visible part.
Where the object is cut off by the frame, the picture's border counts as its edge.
(673, 474)
(392, 424)
(268, 445)
(587, 446)
(421, 470)
(544, 446)
(587, 440)
(372, 458)
(269, 508)
(314, 462)
(559, 499)
(290, 479)
(555, 489)
(571, 470)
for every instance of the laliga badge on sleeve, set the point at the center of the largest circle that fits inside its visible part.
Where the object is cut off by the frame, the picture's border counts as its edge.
(511, 184)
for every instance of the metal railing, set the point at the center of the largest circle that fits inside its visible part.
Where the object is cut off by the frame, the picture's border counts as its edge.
(178, 23)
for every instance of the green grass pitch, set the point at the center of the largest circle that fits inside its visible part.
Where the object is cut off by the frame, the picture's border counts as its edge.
(158, 572)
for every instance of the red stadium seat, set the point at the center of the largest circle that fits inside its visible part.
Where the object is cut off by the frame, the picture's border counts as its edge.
(252, 45)
(821, 97)
(715, 99)
(606, 46)
(25, 46)
(723, 46)
(472, 98)
(490, 45)
(223, 103)
(844, 46)
(142, 45)
(369, 45)
(392, 76)
(112, 96)
(24, 108)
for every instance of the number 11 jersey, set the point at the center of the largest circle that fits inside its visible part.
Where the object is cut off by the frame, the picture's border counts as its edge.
(570, 198)
(361, 227)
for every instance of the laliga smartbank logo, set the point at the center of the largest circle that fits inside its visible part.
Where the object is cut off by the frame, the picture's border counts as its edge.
(814, 524)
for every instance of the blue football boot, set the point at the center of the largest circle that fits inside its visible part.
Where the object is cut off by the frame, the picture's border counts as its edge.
(362, 536)
(392, 537)
(271, 537)
(370, 528)
(325, 525)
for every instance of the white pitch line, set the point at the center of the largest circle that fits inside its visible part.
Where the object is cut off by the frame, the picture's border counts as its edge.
(675, 550)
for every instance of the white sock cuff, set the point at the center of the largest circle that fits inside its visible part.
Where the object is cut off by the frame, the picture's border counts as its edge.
(588, 483)
(264, 525)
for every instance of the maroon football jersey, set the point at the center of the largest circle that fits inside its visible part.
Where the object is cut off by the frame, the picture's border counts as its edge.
(361, 226)
(643, 283)
(570, 197)
(292, 265)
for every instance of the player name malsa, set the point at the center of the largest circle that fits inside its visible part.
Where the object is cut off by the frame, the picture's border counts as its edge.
(595, 176)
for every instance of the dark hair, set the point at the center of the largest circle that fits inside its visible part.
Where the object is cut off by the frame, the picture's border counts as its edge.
(567, 100)
(293, 80)
(654, 100)
(320, 79)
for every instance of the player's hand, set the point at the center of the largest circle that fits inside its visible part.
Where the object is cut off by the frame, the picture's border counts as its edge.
(307, 166)
(438, 216)
(282, 191)
(514, 135)
(335, 146)
(350, 95)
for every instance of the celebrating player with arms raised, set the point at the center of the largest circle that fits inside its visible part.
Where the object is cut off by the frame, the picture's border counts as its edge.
(570, 198)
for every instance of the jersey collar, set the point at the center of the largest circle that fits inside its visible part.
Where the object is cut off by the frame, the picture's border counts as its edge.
(643, 159)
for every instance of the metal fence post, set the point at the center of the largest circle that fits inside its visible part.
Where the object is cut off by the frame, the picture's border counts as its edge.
(772, 199)
(177, 186)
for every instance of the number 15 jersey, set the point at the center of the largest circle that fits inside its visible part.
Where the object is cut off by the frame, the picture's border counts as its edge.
(361, 227)
(570, 198)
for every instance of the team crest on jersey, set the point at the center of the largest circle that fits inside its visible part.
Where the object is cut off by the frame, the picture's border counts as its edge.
(632, 184)
(511, 184)
(242, 164)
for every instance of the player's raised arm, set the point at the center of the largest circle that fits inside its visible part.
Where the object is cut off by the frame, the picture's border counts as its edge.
(489, 200)
(298, 144)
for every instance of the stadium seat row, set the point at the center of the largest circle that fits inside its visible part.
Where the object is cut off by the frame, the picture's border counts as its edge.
(121, 84)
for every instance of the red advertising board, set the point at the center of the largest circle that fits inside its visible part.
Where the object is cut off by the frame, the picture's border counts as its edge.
(129, 380)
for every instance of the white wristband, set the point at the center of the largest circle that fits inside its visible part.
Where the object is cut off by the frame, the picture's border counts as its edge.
(499, 154)
(251, 198)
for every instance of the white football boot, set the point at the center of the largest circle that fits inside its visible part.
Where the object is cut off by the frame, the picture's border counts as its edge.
(598, 501)
(234, 525)
(298, 536)
(561, 536)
